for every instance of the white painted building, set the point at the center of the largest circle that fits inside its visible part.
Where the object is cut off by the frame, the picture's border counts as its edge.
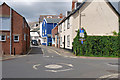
(97, 18)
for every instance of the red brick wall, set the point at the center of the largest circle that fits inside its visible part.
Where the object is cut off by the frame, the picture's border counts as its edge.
(54, 31)
(5, 44)
(18, 22)
(5, 10)
(17, 29)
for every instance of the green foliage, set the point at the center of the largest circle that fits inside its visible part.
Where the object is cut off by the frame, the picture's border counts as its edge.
(115, 33)
(99, 46)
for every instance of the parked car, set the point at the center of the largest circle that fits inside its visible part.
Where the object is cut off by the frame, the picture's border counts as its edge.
(34, 42)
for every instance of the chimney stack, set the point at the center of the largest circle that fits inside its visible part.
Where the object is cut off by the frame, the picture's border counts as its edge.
(73, 4)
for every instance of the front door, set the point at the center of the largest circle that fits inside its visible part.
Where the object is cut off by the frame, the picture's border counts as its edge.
(64, 42)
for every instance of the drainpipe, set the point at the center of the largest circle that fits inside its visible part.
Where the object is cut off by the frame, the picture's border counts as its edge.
(80, 20)
(10, 31)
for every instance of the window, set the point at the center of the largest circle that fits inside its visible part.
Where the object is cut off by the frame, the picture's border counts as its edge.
(45, 32)
(64, 26)
(61, 28)
(25, 37)
(68, 41)
(61, 41)
(36, 25)
(68, 23)
(2, 38)
(44, 23)
(16, 38)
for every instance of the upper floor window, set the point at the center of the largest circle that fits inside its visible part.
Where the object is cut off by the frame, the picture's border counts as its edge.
(16, 38)
(4, 23)
(2, 38)
(44, 23)
(45, 31)
(68, 23)
(64, 26)
(61, 28)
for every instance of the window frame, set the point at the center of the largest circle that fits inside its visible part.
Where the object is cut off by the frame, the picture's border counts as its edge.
(1, 37)
(68, 41)
(16, 40)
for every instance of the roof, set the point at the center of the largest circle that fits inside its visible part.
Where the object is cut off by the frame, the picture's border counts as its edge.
(80, 6)
(53, 20)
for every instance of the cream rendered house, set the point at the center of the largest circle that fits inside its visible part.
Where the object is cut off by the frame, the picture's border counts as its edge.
(97, 17)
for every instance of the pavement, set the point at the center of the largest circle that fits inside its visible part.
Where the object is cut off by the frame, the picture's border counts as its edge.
(67, 53)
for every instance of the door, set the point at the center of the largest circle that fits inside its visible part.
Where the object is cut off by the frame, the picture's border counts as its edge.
(64, 42)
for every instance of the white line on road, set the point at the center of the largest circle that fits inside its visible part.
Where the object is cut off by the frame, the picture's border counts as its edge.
(35, 66)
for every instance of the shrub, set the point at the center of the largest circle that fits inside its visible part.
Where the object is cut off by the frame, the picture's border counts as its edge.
(100, 46)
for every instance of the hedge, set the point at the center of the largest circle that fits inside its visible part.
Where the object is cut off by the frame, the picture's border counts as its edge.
(99, 46)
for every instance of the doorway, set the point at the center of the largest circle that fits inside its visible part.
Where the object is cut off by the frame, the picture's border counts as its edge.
(64, 41)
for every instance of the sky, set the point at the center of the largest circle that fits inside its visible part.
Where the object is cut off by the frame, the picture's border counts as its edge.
(32, 9)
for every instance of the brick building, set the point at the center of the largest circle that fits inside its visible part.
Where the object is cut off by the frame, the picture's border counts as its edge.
(55, 38)
(14, 32)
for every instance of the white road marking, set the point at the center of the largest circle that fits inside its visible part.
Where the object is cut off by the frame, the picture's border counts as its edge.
(70, 65)
(53, 66)
(109, 76)
(59, 70)
(112, 65)
(35, 66)
(56, 52)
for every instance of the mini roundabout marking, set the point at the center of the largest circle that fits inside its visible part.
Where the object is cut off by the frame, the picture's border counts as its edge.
(60, 67)
(56, 67)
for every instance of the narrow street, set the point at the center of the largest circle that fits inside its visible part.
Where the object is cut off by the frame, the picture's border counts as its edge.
(46, 62)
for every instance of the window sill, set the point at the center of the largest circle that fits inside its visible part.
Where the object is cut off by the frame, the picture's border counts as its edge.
(68, 46)
(2, 40)
(16, 41)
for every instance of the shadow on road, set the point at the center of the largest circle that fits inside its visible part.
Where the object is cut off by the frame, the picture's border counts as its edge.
(36, 50)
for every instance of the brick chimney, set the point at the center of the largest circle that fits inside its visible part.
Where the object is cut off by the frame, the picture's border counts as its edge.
(61, 15)
(73, 4)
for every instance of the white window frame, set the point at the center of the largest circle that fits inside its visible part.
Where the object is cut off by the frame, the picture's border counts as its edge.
(68, 41)
(16, 40)
(68, 23)
(1, 37)
(60, 41)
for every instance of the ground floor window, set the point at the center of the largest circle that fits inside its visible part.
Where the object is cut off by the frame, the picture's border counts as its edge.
(68, 41)
(61, 41)
(16, 38)
(2, 37)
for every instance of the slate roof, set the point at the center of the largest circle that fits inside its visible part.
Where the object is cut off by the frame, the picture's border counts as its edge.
(53, 20)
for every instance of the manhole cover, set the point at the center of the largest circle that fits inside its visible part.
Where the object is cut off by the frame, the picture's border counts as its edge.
(53, 66)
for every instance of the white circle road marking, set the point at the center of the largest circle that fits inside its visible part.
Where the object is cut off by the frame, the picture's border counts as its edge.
(35, 66)
(53, 66)
(59, 70)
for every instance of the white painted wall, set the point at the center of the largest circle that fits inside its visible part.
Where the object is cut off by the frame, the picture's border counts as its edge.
(97, 18)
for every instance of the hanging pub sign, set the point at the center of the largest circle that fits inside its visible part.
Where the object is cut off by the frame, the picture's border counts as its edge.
(82, 35)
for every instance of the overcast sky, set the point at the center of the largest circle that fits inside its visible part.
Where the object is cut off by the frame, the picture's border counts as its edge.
(32, 9)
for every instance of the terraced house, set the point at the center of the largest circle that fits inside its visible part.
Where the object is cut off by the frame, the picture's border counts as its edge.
(97, 18)
(14, 32)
